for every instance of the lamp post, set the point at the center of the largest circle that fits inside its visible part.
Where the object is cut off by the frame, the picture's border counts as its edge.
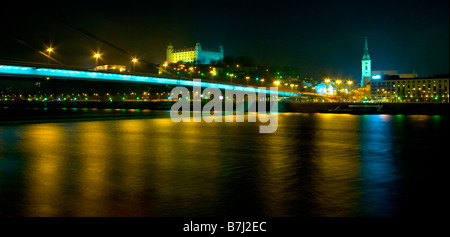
(96, 56)
(350, 87)
(326, 85)
(338, 82)
(134, 63)
(49, 50)
(247, 78)
(231, 77)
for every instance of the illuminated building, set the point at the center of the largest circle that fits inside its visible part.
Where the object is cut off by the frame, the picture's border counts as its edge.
(197, 54)
(366, 66)
(111, 68)
(393, 88)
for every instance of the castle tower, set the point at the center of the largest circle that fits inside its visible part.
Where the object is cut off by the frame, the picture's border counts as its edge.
(169, 52)
(366, 66)
(221, 53)
(198, 53)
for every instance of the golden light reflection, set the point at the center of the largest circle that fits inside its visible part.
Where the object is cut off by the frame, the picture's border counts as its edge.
(93, 149)
(44, 146)
(188, 173)
(337, 163)
(282, 159)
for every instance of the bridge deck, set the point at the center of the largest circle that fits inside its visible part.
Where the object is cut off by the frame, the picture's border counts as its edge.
(50, 72)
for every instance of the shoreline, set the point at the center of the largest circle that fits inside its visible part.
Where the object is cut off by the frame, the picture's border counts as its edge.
(13, 113)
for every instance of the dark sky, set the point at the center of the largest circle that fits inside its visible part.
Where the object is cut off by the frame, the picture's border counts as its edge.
(318, 37)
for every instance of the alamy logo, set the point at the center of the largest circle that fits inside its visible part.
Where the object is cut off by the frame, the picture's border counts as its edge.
(213, 110)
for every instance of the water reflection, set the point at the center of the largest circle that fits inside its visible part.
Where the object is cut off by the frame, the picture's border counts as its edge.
(314, 165)
(45, 148)
(379, 175)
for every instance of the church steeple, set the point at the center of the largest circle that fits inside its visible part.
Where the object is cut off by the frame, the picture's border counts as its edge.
(366, 51)
(366, 69)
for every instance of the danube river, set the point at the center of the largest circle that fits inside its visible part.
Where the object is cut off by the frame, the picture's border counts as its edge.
(320, 165)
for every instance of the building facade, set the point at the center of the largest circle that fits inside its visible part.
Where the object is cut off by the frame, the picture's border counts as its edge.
(366, 69)
(197, 54)
(395, 89)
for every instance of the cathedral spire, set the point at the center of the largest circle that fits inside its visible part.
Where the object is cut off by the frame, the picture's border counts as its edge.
(366, 66)
(366, 51)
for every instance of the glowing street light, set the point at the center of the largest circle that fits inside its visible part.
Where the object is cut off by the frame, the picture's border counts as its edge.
(326, 84)
(96, 56)
(247, 78)
(49, 50)
(338, 82)
(276, 83)
(350, 84)
(134, 63)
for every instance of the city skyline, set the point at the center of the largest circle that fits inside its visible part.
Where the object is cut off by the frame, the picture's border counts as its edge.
(321, 39)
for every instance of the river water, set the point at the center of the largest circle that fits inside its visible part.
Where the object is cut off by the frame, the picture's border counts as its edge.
(323, 165)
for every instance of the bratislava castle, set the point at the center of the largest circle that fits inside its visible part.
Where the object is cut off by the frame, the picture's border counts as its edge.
(194, 55)
(366, 66)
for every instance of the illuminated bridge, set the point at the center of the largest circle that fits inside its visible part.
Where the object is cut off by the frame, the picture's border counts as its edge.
(39, 71)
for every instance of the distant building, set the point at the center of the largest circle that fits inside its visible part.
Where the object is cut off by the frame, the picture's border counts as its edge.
(393, 88)
(393, 73)
(111, 68)
(366, 66)
(197, 54)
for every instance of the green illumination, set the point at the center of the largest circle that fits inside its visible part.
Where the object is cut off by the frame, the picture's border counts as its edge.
(137, 98)
(123, 98)
(75, 98)
(6, 99)
(45, 98)
(64, 99)
(85, 98)
(399, 98)
(202, 74)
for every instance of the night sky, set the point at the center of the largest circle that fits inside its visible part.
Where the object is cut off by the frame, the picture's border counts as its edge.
(318, 37)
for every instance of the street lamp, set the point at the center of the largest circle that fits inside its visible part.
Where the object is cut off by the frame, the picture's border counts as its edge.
(231, 77)
(213, 73)
(247, 78)
(350, 85)
(338, 82)
(262, 81)
(49, 50)
(96, 56)
(134, 63)
(326, 84)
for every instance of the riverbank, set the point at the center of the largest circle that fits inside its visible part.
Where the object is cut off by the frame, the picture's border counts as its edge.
(386, 108)
(53, 111)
